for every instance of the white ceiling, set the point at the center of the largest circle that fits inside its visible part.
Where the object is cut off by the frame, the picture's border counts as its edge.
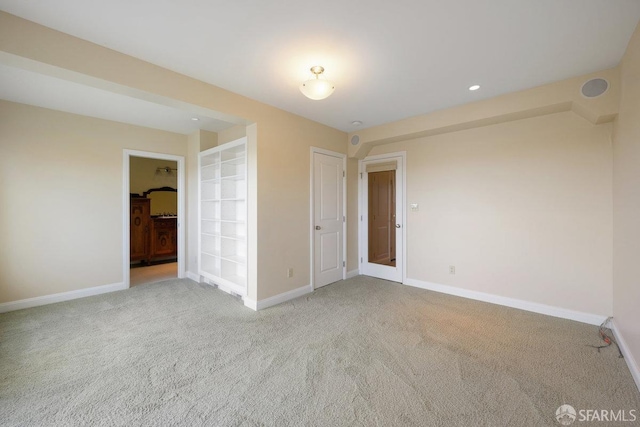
(388, 60)
(32, 88)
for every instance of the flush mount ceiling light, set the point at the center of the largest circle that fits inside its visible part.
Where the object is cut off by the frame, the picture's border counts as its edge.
(195, 119)
(474, 87)
(317, 88)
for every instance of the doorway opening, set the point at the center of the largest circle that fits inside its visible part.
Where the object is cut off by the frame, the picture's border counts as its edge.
(154, 208)
(382, 218)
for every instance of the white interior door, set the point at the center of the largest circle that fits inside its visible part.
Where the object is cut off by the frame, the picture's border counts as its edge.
(388, 272)
(328, 175)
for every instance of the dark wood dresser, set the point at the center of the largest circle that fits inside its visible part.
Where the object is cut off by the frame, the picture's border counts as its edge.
(164, 237)
(151, 238)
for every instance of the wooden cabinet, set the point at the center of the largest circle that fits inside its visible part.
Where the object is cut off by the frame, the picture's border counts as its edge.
(164, 237)
(139, 242)
(151, 238)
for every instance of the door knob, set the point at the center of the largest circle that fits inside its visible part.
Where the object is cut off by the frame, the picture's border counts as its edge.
(318, 227)
(397, 225)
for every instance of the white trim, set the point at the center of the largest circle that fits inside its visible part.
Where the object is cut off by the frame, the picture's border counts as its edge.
(63, 296)
(311, 212)
(126, 190)
(193, 276)
(251, 303)
(626, 352)
(353, 273)
(280, 298)
(401, 158)
(578, 316)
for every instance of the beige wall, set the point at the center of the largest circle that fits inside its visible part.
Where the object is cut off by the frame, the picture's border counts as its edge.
(143, 176)
(626, 202)
(521, 209)
(281, 140)
(231, 134)
(61, 197)
(284, 173)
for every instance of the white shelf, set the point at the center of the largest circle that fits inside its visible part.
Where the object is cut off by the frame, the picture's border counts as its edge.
(210, 180)
(233, 237)
(233, 177)
(238, 259)
(235, 161)
(212, 165)
(222, 176)
(238, 280)
(212, 254)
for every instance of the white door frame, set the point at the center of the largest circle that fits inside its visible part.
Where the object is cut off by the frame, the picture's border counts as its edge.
(363, 228)
(311, 213)
(126, 215)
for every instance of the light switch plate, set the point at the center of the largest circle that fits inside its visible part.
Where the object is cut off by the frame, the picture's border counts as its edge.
(414, 207)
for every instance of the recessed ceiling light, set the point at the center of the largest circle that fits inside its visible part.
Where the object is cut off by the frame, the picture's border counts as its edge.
(356, 122)
(195, 119)
(474, 87)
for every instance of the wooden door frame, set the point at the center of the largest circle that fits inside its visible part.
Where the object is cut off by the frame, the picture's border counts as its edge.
(363, 238)
(126, 158)
(313, 151)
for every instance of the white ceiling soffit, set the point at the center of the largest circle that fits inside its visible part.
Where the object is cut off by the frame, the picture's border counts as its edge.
(27, 87)
(388, 60)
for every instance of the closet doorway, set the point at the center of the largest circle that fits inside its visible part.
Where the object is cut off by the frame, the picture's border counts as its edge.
(154, 208)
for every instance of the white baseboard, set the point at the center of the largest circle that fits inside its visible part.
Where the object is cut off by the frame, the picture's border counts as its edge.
(592, 319)
(193, 276)
(63, 296)
(252, 304)
(278, 299)
(628, 357)
(353, 273)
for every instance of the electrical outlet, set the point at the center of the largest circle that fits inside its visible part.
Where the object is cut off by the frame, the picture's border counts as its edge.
(415, 207)
(290, 272)
(452, 269)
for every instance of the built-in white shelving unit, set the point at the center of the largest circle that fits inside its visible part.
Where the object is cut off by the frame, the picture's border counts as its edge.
(222, 255)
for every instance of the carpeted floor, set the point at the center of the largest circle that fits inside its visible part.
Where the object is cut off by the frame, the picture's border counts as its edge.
(362, 352)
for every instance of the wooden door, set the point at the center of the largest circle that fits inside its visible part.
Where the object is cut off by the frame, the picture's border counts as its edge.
(139, 229)
(382, 233)
(328, 176)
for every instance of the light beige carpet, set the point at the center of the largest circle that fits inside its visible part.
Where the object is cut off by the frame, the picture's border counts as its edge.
(363, 352)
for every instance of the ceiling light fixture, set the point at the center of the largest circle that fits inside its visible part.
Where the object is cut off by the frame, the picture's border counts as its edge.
(195, 119)
(317, 88)
(474, 87)
(356, 123)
